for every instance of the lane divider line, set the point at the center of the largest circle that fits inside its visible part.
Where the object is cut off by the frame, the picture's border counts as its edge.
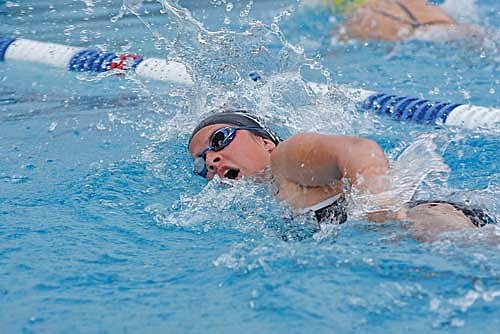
(401, 108)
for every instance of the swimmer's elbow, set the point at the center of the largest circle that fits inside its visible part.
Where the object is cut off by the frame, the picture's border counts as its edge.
(371, 152)
(369, 168)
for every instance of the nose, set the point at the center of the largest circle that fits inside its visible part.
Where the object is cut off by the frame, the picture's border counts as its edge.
(212, 161)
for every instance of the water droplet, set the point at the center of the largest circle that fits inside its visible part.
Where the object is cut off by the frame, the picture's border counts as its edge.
(52, 126)
(456, 322)
(434, 304)
(10, 4)
(67, 31)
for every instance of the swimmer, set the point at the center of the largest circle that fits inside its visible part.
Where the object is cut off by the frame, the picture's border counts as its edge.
(314, 172)
(393, 20)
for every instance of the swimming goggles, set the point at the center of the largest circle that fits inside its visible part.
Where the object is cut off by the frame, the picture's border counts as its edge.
(218, 141)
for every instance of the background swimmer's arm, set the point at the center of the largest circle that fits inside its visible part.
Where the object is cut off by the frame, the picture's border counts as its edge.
(315, 160)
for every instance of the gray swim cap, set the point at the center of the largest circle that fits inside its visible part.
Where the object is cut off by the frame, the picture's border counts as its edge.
(238, 118)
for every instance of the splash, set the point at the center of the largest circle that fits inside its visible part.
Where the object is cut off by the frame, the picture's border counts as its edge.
(420, 166)
(131, 6)
(242, 205)
(465, 11)
(220, 60)
(451, 311)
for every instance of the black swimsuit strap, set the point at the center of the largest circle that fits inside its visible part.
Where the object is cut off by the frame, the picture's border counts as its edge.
(476, 215)
(414, 25)
(416, 22)
(408, 12)
(413, 22)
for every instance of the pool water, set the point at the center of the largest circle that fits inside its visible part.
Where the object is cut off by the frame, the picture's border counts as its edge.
(105, 229)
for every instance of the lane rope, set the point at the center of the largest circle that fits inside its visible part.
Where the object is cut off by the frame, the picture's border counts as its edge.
(401, 108)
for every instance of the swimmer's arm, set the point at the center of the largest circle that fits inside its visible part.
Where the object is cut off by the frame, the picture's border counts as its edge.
(315, 160)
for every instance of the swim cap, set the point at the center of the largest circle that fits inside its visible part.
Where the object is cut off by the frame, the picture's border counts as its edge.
(344, 6)
(238, 118)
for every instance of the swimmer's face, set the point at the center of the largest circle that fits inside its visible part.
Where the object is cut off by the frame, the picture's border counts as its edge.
(246, 155)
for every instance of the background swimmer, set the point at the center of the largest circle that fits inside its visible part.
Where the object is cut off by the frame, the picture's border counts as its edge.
(392, 20)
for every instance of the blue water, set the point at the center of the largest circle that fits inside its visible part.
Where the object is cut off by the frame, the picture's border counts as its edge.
(105, 229)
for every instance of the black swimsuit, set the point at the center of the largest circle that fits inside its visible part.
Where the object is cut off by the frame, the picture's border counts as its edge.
(477, 216)
(336, 211)
(333, 209)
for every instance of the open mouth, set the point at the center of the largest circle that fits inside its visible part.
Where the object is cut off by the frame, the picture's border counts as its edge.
(232, 173)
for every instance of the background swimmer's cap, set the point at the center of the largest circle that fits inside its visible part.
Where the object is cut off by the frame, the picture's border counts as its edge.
(238, 118)
(344, 6)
